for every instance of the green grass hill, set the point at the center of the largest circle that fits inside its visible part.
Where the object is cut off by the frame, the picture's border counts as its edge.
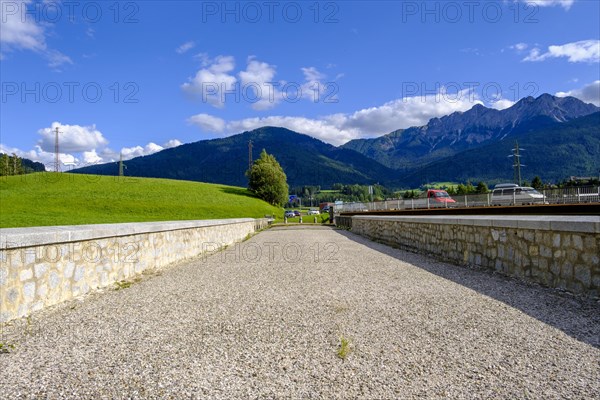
(46, 199)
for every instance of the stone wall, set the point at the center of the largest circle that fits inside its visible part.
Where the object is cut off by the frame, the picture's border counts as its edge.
(43, 266)
(559, 251)
(343, 221)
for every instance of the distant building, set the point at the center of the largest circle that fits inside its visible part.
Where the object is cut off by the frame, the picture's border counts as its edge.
(325, 205)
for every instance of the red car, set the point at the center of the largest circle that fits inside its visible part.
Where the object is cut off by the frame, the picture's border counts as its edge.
(439, 196)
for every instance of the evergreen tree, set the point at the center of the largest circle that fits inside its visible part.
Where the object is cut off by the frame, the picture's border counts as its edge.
(11, 165)
(537, 183)
(470, 188)
(482, 188)
(4, 163)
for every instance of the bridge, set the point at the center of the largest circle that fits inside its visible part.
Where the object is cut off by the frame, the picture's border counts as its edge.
(308, 312)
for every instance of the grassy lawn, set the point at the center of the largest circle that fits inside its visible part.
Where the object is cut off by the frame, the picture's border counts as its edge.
(440, 185)
(310, 219)
(46, 199)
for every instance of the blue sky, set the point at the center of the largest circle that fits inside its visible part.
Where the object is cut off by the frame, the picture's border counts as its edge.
(138, 76)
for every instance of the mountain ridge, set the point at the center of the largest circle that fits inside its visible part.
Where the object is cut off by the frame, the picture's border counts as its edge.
(445, 136)
(306, 160)
(553, 153)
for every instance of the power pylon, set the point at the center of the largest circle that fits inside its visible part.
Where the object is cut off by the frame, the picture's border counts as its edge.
(249, 154)
(121, 164)
(56, 152)
(517, 163)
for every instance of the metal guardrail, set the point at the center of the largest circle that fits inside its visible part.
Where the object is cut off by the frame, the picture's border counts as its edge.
(574, 195)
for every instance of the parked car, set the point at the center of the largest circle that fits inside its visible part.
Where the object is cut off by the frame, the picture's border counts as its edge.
(511, 194)
(313, 212)
(289, 214)
(297, 213)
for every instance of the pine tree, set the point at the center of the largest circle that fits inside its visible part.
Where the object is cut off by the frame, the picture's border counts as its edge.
(537, 183)
(482, 188)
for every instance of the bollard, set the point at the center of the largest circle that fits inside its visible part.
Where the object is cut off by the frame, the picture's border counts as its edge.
(315, 220)
(285, 220)
(301, 219)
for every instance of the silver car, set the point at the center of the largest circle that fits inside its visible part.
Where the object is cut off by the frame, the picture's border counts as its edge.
(511, 194)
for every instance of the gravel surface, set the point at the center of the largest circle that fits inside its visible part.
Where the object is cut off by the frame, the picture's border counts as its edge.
(265, 319)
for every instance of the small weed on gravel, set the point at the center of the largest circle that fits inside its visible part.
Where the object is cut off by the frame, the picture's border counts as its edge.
(6, 347)
(28, 326)
(125, 284)
(344, 348)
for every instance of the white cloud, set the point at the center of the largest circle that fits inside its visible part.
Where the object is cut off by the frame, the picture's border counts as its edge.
(312, 74)
(519, 46)
(21, 32)
(340, 128)
(207, 122)
(39, 155)
(589, 93)
(80, 146)
(72, 138)
(185, 47)
(152, 148)
(91, 157)
(212, 81)
(315, 90)
(582, 51)
(137, 151)
(502, 104)
(172, 143)
(259, 78)
(566, 4)
(108, 155)
(56, 58)
(216, 84)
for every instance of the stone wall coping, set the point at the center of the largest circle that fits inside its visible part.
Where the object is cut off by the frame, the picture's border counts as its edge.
(11, 238)
(565, 223)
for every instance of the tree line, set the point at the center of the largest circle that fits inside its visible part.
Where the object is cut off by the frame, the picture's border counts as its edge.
(15, 165)
(269, 182)
(11, 165)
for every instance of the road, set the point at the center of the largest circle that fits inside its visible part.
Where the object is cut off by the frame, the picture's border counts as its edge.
(266, 319)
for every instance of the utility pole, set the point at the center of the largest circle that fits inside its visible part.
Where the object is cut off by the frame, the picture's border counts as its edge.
(56, 153)
(517, 163)
(249, 154)
(121, 164)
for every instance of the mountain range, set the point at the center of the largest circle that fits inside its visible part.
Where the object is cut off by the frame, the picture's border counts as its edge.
(561, 137)
(442, 137)
(305, 160)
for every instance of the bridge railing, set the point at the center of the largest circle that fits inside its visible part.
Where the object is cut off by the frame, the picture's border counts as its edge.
(572, 195)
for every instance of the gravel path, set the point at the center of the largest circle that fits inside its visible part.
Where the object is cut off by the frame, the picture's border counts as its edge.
(265, 319)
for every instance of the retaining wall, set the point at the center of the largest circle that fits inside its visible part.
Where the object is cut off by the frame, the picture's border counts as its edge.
(558, 251)
(43, 266)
